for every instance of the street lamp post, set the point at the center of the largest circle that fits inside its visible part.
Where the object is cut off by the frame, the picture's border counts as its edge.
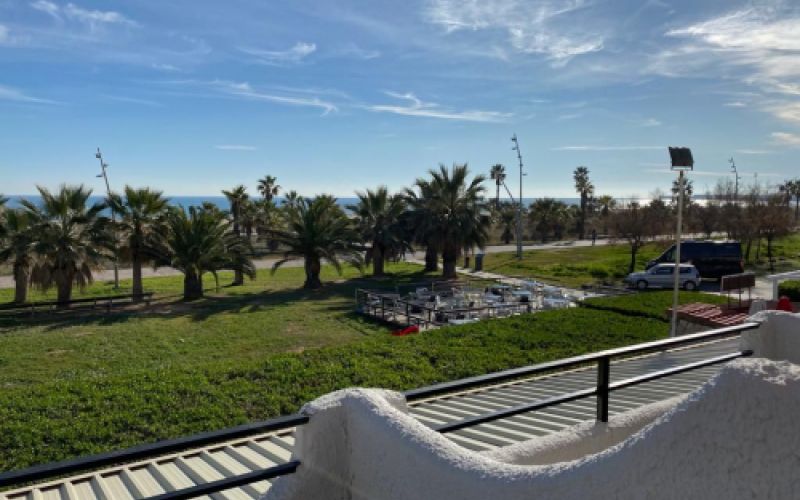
(104, 175)
(681, 161)
(736, 177)
(519, 207)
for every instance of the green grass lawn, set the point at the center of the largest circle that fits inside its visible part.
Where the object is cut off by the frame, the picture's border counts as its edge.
(74, 385)
(651, 304)
(786, 254)
(573, 266)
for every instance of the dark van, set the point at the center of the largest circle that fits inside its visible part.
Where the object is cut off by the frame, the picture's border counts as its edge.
(713, 259)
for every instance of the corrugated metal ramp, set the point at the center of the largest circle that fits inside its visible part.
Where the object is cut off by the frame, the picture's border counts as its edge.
(181, 470)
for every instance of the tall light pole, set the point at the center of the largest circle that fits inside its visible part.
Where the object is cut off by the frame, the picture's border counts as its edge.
(104, 175)
(681, 161)
(736, 176)
(519, 207)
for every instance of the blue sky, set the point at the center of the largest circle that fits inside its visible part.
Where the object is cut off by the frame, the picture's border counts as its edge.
(192, 97)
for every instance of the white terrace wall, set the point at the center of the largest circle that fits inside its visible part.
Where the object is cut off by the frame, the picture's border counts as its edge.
(735, 437)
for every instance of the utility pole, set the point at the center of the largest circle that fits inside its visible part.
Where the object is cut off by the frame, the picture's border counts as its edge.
(104, 175)
(519, 207)
(736, 183)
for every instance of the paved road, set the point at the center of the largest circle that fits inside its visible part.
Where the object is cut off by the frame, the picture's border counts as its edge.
(147, 272)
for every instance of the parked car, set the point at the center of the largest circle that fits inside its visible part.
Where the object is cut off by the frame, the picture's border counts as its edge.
(662, 276)
(714, 259)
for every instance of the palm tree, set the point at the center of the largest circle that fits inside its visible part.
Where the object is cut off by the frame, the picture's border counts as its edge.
(585, 189)
(379, 222)
(508, 218)
(315, 230)
(423, 221)
(549, 216)
(268, 187)
(203, 241)
(72, 239)
(606, 203)
(237, 197)
(140, 228)
(15, 247)
(498, 175)
(458, 209)
(291, 199)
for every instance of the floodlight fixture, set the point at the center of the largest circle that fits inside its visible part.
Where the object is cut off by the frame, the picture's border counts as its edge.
(681, 158)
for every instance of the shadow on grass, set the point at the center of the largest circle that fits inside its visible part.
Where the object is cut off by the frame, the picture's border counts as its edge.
(226, 299)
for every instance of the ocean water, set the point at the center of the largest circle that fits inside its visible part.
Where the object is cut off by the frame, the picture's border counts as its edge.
(222, 202)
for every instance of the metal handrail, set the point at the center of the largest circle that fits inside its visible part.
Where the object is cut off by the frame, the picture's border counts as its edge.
(55, 469)
(602, 393)
(506, 375)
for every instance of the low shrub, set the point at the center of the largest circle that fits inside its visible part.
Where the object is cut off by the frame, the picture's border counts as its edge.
(790, 289)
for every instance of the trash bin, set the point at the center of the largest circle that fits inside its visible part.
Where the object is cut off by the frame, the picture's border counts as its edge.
(479, 262)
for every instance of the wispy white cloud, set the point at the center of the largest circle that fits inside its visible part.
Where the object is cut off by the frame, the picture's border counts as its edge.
(758, 45)
(650, 122)
(294, 54)
(70, 11)
(235, 147)
(245, 90)
(735, 104)
(543, 27)
(745, 151)
(786, 139)
(133, 100)
(16, 95)
(417, 107)
(694, 173)
(48, 8)
(607, 148)
(353, 50)
(166, 67)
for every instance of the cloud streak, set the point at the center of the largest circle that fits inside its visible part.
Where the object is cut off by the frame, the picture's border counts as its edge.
(245, 90)
(607, 148)
(544, 27)
(786, 139)
(16, 95)
(419, 108)
(93, 18)
(294, 54)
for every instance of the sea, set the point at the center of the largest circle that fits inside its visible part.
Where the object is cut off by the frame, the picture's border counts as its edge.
(223, 204)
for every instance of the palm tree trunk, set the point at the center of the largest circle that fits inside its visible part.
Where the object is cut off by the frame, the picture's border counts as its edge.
(449, 258)
(238, 275)
(20, 284)
(497, 197)
(138, 289)
(192, 285)
(64, 288)
(377, 260)
(431, 259)
(313, 268)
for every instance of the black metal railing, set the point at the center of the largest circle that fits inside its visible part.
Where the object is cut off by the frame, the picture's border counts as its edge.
(602, 390)
(56, 469)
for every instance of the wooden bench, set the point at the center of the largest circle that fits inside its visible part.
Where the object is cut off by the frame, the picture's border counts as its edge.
(107, 301)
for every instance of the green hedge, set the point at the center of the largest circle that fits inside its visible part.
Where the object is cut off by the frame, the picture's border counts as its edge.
(791, 289)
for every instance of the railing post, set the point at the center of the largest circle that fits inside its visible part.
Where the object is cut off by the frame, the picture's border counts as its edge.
(603, 381)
